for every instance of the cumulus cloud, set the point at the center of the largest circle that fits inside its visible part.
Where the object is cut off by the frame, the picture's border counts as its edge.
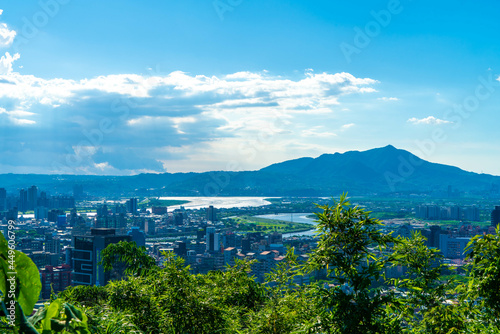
(127, 123)
(388, 99)
(6, 35)
(431, 120)
(6, 63)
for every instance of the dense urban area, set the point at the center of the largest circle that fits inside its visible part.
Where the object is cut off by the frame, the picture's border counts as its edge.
(65, 234)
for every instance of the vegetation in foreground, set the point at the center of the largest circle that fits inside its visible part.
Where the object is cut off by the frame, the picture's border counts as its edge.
(358, 298)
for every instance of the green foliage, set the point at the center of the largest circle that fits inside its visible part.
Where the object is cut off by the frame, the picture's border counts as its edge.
(356, 297)
(347, 249)
(248, 223)
(136, 258)
(423, 271)
(483, 294)
(233, 287)
(423, 300)
(173, 301)
(85, 295)
(105, 320)
(20, 286)
(59, 317)
(18, 268)
(290, 313)
(282, 277)
(346, 234)
(289, 307)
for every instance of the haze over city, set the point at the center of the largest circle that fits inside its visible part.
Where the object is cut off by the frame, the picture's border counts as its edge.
(96, 88)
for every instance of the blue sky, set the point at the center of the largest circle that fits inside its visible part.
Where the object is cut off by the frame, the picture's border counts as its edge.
(123, 87)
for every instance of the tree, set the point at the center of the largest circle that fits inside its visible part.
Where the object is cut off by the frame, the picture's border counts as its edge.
(351, 248)
(137, 260)
(424, 298)
(483, 293)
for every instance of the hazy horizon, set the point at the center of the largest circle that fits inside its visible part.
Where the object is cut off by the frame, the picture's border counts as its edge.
(204, 171)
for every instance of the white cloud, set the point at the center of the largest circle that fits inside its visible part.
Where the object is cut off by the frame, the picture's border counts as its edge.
(6, 63)
(6, 35)
(17, 117)
(243, 75)
(22, 122)
(431, 120)
(388, 99)
(347, 126)
(313, 94)
(151, 117)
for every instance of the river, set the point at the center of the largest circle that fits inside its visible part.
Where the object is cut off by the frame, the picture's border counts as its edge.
(295, 218)
(218, 202)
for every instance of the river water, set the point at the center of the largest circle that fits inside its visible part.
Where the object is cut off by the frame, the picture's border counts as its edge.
(295, 218)
(218, 202)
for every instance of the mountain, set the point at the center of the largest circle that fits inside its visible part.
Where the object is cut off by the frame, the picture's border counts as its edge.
(382, 171)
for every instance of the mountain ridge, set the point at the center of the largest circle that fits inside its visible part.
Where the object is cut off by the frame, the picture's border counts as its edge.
(384, 170)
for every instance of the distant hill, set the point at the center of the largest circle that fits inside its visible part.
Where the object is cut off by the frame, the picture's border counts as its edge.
(382, 171)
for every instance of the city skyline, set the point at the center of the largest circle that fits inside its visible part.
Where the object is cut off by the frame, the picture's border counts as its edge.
(237, 85)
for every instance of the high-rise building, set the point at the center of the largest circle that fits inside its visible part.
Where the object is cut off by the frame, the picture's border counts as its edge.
(229, 255)
(61, 222)
(150, 227)
(471, 213)
(456, 213)
(138, 236)
(73, 217)
(41, 213)
(212, 240)
(433, 240)
(211, 214)
(120, 208)
(87, 255)
(117, 221)
(453, 247)
(428, 212)
(32, 197)
(23, 200)
(53, 215)
(178, 218)
(180, 248)
(495, 216)
(52, 245)
(61, 202)
(12, 214)
(43, 200)
(102, 211)
(3, 199)
(132, 206)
